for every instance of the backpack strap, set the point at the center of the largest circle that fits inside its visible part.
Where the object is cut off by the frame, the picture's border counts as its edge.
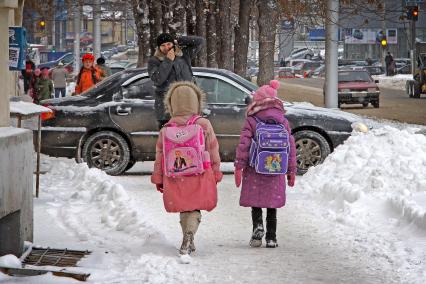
(193, 119)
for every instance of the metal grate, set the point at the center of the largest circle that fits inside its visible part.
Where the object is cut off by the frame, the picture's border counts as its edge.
(54, 257)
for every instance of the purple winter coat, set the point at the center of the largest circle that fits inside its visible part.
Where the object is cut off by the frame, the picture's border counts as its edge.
(260, 190)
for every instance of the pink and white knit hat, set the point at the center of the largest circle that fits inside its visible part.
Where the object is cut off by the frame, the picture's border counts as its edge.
(267, 91)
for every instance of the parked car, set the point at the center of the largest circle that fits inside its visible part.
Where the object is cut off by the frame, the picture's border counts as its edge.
(119, 66)
(404, 69)
(374, 70)
(319, 72)
(284, 73)
(305, 69)
(112, 125)
(66, 58)
(301, 53)
(357, 87)
(122, 48)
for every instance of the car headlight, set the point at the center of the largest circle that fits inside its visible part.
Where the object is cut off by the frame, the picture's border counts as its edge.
(360, 127)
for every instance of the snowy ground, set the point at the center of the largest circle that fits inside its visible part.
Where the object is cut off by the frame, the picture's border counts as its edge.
(357, 218)
(393, 82)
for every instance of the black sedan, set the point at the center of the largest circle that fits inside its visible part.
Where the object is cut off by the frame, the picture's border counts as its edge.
(112, 125)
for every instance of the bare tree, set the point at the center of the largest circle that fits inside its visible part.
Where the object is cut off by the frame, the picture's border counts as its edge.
(190, 17)
(267, 21)
(225, 39)
(242, 37)
(177, 19)
(212, 35)
(201, 8)
(140, 12)
(155, 20)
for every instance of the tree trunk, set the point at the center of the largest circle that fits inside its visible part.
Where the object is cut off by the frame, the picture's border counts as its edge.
(140, 14)
(242, 38)
(212, 38)
(225, 47)
(201, 7)
(177, 22)
(267, 22)
(154, 16)
(190, 17)
(165, 10)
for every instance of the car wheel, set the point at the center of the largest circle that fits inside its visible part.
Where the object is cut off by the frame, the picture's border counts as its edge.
(365, 104)
(376, 104)
(308, 56)
(311, 148)
(130, 165)
(409, 88)
(107, 151)
(416, 89)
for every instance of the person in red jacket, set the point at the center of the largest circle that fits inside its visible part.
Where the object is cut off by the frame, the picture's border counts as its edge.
(88, 76)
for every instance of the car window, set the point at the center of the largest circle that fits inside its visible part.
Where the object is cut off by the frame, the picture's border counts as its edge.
(68, 58)
(220, 92)
(142, 89)
(354, 77)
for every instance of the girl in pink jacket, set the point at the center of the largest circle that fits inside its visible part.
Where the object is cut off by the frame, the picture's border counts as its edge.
(187, 194)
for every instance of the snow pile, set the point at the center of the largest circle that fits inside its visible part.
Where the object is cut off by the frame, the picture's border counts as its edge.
(90, 207)
(393, 82)
(385, 167)
(10, 261)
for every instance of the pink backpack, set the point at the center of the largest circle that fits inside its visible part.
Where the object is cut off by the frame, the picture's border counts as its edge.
(184, 151)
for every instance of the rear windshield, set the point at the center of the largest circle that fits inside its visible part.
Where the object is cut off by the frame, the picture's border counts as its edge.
(105, 84)
(354, 76)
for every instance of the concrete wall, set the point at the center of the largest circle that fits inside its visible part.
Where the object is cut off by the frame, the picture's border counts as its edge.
(16, 189)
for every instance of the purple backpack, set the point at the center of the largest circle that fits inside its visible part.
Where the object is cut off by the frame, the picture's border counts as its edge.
(269, 149)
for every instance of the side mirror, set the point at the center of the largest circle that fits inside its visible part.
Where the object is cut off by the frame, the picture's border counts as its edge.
(118, 97)
(376, 81)
(248, 100)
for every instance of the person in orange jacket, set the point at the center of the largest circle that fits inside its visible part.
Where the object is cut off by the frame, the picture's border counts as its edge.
(88, 76)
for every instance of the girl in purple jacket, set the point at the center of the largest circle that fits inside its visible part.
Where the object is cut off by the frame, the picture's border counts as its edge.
(260, 190)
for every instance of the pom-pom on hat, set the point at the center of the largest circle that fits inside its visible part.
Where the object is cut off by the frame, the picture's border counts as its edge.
(267, 91)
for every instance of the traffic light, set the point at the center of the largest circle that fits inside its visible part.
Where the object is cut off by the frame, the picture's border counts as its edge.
(42, 24)
(384, 42)
(413, 13)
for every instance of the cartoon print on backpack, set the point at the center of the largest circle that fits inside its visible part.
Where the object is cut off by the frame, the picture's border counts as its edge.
(180, 162)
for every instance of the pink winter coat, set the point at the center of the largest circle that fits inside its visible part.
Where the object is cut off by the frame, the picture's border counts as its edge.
(188, 193)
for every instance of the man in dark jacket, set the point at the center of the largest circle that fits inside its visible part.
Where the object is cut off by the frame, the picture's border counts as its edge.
(388, 62)
(170, 63)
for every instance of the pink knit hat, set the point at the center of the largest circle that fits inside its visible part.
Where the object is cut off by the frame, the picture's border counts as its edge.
(267, 91)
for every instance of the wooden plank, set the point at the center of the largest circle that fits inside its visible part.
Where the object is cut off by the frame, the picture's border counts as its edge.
(35, 272)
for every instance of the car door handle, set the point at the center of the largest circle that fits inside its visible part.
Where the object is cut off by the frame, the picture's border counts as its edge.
(124, 111)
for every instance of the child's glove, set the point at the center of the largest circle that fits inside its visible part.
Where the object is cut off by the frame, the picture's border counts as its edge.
(159, 187)
(238, 173)
(291, 178)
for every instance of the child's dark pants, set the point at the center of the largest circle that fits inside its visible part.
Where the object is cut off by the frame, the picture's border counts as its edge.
(271, 221)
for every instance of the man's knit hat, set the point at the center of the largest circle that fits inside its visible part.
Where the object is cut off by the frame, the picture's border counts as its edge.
(267, 91)
(163, 38)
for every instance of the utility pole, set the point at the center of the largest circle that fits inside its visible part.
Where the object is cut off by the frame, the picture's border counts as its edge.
(383, 50)
(97, 28)
(331, 55)
(77, 28)
(413, 55)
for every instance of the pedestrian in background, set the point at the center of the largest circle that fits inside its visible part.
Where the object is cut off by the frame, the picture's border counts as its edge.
(388, 63)
(171, 62)
(105, 70)
(44, 86)
(88, 76)
(59, 77)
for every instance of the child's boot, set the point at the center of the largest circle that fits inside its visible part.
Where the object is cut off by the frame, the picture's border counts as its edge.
(258, 231)
(271, 228)
(189, 222)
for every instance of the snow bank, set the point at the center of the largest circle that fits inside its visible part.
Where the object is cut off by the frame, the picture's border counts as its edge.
(90, 207)
(393, 82)
(385, 167)
(10, 261)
